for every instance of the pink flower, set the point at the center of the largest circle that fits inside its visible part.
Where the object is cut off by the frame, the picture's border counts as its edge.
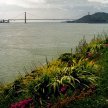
(22, 104)
(63, 89)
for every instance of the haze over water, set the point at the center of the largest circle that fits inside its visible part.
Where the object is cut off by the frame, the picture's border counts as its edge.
(27, 45)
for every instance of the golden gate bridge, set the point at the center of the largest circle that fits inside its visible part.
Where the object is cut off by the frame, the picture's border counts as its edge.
(25, 19)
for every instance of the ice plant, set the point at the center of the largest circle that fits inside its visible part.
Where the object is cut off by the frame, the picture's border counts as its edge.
(22, 104)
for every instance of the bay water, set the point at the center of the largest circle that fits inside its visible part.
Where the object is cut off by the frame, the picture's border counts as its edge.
(25, 46)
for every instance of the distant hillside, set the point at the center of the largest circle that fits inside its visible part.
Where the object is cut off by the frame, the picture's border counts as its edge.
(99, 17)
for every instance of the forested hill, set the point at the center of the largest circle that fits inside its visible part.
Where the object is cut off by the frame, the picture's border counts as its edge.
(99, 17)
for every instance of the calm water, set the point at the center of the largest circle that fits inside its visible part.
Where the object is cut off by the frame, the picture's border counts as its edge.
(24, 46)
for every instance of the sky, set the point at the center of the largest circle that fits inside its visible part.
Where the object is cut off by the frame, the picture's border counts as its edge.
(51, 8)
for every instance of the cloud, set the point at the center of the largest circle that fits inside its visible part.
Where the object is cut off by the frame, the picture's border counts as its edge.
(100, 1)
(22, 3)
(53, 8)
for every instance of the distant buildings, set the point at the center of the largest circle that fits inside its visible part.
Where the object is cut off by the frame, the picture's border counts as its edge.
(4, 21)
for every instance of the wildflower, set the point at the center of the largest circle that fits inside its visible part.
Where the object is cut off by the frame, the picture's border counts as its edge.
(63, 89)
(22, 104)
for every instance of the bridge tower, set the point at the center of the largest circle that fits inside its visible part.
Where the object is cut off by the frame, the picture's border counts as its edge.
(25, 20)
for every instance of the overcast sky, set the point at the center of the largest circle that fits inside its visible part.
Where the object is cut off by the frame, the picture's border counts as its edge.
(51, 8)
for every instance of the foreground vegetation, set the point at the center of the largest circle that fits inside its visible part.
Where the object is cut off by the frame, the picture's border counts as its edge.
(75, 80)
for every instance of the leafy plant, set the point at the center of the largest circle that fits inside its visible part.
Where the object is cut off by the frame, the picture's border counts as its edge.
(55, 86)
(66, 57)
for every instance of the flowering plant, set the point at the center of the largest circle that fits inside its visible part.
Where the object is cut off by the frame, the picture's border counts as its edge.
(23, 104)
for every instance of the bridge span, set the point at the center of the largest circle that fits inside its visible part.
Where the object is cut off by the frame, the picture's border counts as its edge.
(35, 19)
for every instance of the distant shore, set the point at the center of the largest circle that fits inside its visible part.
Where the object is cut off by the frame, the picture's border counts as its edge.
(99, 17)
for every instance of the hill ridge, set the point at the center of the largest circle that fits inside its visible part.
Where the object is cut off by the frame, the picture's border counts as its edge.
(99, 17)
